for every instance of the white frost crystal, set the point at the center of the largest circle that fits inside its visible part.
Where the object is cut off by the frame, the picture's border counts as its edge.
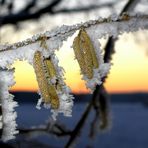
(66, 100)
(8, 123)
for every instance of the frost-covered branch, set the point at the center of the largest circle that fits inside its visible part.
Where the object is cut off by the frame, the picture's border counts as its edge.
(112, 26)
(8, 123)
(40, 52)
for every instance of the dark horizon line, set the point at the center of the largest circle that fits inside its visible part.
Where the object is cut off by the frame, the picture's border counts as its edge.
(136, 97)
(130, 92)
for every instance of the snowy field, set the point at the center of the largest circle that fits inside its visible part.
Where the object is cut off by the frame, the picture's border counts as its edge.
(129, 126)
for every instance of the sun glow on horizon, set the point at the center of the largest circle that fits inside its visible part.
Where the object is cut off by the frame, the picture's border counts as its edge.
(128, 73)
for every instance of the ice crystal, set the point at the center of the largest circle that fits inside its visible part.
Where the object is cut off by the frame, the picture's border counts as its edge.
(8, 123)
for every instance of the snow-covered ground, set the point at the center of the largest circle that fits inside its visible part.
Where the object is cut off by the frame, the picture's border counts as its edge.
(129, 126)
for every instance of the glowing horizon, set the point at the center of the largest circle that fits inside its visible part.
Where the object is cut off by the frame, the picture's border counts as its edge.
(128, 73)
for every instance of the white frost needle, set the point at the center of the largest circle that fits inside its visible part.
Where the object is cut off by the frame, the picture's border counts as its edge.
(8, 123)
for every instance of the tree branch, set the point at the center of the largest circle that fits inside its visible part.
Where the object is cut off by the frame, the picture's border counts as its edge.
(83, 119)
(26, 15)
(65, 31)
(84, 9)
(101, 103)
(56, 129)
(28, 7)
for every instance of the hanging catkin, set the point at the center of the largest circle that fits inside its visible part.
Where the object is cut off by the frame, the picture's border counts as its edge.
(48, 91)
(85, 53)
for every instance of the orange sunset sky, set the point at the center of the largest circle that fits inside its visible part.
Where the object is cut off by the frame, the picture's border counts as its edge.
(129, 72)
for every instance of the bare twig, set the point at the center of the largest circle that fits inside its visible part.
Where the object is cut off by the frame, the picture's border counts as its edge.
(85, 9)
(101, 107)
(1, 130)
(130, 5)
(80, 124)
(101, 103)
(26, 15)
(30, 5)
(56, 129)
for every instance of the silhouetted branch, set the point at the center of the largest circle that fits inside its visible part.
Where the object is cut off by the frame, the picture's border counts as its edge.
(77, 130)
(1, 130)
(26, 15)
(2, 2)
(29, 6)
(130, 5)
(101, 107)
(109, 49)
(102, 101)
(56, 129)
(85, 8)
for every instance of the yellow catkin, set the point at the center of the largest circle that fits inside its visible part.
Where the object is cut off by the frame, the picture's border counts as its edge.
(85, 53)
(48, 91)
(51, 72)
(84, 46)
(54, 97)
(79, 55)
(90, 47)
(50, 67)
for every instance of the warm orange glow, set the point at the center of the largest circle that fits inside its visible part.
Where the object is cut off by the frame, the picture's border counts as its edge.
(129, 72)
(24, 77)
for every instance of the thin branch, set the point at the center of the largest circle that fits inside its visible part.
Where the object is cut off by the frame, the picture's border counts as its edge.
(109, 49)
(82, 120)
(101, 103)
(71, 29)
(1, 130)
(25, 15)
(56, 129)
(28, 7)
(101, 106)
(130, 5)
(84, 9)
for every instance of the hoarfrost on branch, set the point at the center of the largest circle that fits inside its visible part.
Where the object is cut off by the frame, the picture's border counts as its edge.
(25, 50)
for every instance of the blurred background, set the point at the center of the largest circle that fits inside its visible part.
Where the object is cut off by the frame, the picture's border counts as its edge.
(127, 82)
